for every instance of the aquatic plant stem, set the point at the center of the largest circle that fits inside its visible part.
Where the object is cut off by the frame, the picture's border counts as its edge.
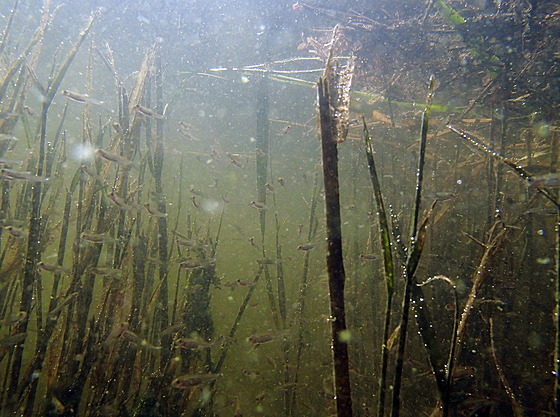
(303, 291)
(518, 169)
(235, 325)
(32, 255)
(335, 264)
(387, 261)
(415, 250)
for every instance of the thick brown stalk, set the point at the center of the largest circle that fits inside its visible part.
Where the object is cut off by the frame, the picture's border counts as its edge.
(335, 265)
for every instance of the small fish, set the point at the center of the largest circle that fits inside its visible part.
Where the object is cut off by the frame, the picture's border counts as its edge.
(8, 115)
(546, 180)
(111, 157)
(144, 111)
(192, 344)
(14, 232)
(173, 329)
(80, 98)
(105, 272)
(186, 243)
(251, 374)
(369, 256)
(153, 212)
(11, 175)
(139, 341)
(9, 161)
(305, 248)
(285, 131)
(234, 284)
(191, 264)
(265, 261)
(184, 125)
(193, 380)
(244, 284)
(7, 138)
(97, 238)
(193, 289)
(187, 135)
(118, 201)
(93, 174)
(13, 340)
(262, 338)
(29, 111)
(300, 230)
(258, 206)
(117, 127)
(236, 163)
(67, 300)
(194, 202)
(269, 187)
(15, 318)
(252, 242)
(52, 268)
(281, 181)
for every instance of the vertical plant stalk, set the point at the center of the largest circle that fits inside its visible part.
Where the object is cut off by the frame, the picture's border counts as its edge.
(335, 265)
(303, 291)
(387, 261)
(161, 221)
(32, 254)
(414, 250)
(516, 408)
(555, 147)
(262, 144)
(235, 325)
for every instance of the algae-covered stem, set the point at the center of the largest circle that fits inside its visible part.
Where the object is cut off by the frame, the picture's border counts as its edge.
(335, 265)
(388, 264)
(414, 250)
(32, 255)
(303, 291)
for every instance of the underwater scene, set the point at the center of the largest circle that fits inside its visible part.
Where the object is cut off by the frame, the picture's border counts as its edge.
(279, 208)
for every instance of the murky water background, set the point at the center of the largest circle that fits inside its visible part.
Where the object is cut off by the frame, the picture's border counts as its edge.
(205, 291)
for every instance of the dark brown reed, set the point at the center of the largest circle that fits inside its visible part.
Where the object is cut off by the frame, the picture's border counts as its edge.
(335, 265)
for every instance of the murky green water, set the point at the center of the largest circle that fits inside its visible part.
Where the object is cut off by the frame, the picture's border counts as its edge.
(163, 241)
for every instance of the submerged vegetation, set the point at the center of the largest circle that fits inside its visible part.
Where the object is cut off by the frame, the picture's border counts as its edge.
(163, 251)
